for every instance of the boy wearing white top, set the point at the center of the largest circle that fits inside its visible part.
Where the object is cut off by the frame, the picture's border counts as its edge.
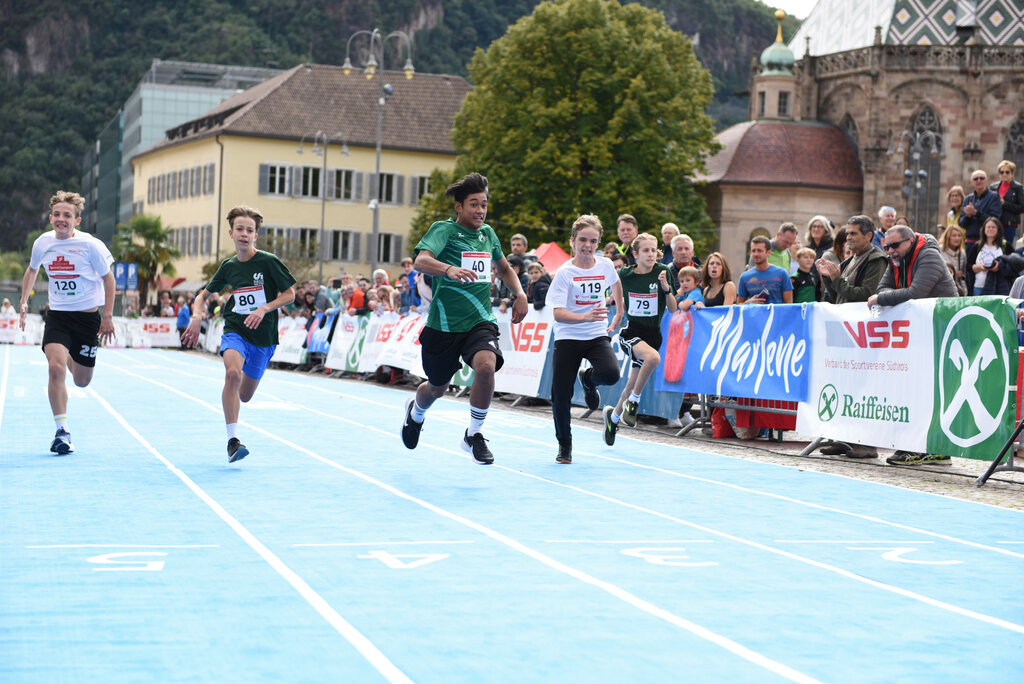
(581, 328)
(80, 280)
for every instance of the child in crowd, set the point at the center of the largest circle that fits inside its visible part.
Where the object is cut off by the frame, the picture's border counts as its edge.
(689, 293)
(805, 281)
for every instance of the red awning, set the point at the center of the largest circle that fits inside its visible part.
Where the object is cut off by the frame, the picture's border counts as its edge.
(166, 283)
(551, 256)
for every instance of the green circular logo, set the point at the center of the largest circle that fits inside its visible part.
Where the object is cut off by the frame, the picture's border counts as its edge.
(828, 402)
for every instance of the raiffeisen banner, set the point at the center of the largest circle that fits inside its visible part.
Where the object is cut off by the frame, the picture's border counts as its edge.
(750, 351)
(931, 375)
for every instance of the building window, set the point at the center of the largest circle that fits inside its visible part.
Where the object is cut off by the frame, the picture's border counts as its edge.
(206, 240)
(193, 241)
(783, 104)
(760, 103)
(343, 245)
(183, 184)
(922, 189)
(208, 179)
(1015, 146)
(172, 186)
(195, 181)
(418, 187)
(347, 184)
(273, 179)
(310, 182)
(389, 248)
(151, 191)
(389, 190)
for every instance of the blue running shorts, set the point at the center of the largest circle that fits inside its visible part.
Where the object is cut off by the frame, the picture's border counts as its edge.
(256, 358)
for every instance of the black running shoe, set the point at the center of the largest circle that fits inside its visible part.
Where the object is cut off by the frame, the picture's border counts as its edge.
(609, 427)
(410, 428)
(590, 394)
(564, 453)
(477, 445)
(62, 442)
(236, 450)
(629, 411)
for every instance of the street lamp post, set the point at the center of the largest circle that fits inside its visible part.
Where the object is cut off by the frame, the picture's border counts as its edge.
(376, 47)
(916, 178)
(321, 142)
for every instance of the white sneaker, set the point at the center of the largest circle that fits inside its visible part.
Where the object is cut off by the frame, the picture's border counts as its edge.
(675, 423)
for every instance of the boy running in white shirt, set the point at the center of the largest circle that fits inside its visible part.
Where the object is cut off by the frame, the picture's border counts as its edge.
(78, 267)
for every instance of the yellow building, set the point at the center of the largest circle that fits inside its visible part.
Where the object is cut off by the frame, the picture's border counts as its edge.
(261, 148)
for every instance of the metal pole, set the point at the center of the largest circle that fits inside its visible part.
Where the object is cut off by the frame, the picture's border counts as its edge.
(375, 232)
(323, 206)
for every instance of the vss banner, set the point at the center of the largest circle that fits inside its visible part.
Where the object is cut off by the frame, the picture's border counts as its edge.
(525, 347)
(738, 351)
(927, 375)
(400, 347)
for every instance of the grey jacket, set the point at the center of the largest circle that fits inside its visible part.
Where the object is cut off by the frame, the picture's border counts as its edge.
(921, 274)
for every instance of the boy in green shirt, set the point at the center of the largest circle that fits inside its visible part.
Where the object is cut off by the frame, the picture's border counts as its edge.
(460, 324)
(260, 285)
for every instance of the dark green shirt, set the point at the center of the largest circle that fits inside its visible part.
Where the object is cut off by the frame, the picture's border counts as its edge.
(643, 295)
(459, 307)
(254, 283)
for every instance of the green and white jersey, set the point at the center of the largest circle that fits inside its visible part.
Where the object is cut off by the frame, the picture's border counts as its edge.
(644, 298)
(459, 307)
(254, 283)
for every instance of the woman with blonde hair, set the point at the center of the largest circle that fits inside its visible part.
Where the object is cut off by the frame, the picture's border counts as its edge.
(1011, 195)
(952, 245)
(955, 197)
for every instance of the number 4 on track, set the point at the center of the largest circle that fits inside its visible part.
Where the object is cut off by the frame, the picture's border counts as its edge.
(396, 562)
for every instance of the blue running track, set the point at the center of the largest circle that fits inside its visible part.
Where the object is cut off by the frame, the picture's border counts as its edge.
(333, 554)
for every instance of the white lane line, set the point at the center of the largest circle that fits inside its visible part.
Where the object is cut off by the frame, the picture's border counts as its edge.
(686, 476)
(852, 541)
(981, 617)
(697, 630)
(124, 546)
(383, 543)
(365, 647)
(628, 541)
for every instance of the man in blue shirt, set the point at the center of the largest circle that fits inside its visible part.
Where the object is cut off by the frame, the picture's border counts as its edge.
(979, 206)
(764, 283)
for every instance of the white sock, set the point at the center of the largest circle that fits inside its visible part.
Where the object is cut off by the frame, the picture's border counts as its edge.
(417, 413)
(477, 417)
(633, 396)
(61, 421)
(232, 430)
(615, 418)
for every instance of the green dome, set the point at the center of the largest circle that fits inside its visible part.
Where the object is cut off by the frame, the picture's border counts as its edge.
(777, 59)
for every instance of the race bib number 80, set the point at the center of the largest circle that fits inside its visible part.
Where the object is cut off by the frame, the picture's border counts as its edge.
(479, 263)
(248, 299)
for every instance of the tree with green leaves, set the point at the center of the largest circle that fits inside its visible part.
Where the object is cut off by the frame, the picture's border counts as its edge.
(144, 241)
(588, 106)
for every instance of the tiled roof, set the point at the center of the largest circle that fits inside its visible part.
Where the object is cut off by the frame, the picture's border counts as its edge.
(418, 115)
(807, 153)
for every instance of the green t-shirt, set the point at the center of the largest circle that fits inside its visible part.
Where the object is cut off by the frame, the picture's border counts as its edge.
(255, 282)
(643, 295)
(459, 307)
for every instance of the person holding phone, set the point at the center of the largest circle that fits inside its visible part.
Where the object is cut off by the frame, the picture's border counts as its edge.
(765, 283)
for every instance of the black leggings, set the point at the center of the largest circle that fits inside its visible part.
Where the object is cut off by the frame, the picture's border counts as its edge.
(565, 364)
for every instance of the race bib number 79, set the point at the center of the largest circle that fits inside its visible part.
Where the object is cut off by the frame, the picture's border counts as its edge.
(248, 299)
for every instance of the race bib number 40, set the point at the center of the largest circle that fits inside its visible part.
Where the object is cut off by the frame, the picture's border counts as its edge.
(643, 304)
(479, 263)
(248, 299)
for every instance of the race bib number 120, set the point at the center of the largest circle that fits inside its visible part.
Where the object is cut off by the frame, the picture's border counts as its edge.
(248, 299)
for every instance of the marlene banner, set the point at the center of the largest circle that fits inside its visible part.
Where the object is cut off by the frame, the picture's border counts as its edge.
(930, 375)
(752, 351)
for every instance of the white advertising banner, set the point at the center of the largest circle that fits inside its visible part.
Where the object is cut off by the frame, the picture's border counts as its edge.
(289, 346)
(11, 332)
(344, 352)
(378, 331)
(524, 346)
(400, 343)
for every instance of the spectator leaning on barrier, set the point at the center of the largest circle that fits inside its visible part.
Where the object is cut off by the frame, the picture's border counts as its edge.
(765, 283)
(1011, 198)
(682, 256)
(916, 270)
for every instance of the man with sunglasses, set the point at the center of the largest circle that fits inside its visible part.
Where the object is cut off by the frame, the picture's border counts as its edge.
(916, 270)
(978, 207)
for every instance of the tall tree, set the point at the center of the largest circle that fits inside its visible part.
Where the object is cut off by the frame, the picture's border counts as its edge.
(146, 242)
(588, 106)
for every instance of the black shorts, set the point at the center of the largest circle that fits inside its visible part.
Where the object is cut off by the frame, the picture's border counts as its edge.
(443, 353)
(630, 336)
(77, 331)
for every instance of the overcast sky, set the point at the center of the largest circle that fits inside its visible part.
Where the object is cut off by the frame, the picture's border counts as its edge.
(796, 8)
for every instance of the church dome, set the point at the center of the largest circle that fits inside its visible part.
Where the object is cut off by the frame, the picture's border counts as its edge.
(777, 59)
